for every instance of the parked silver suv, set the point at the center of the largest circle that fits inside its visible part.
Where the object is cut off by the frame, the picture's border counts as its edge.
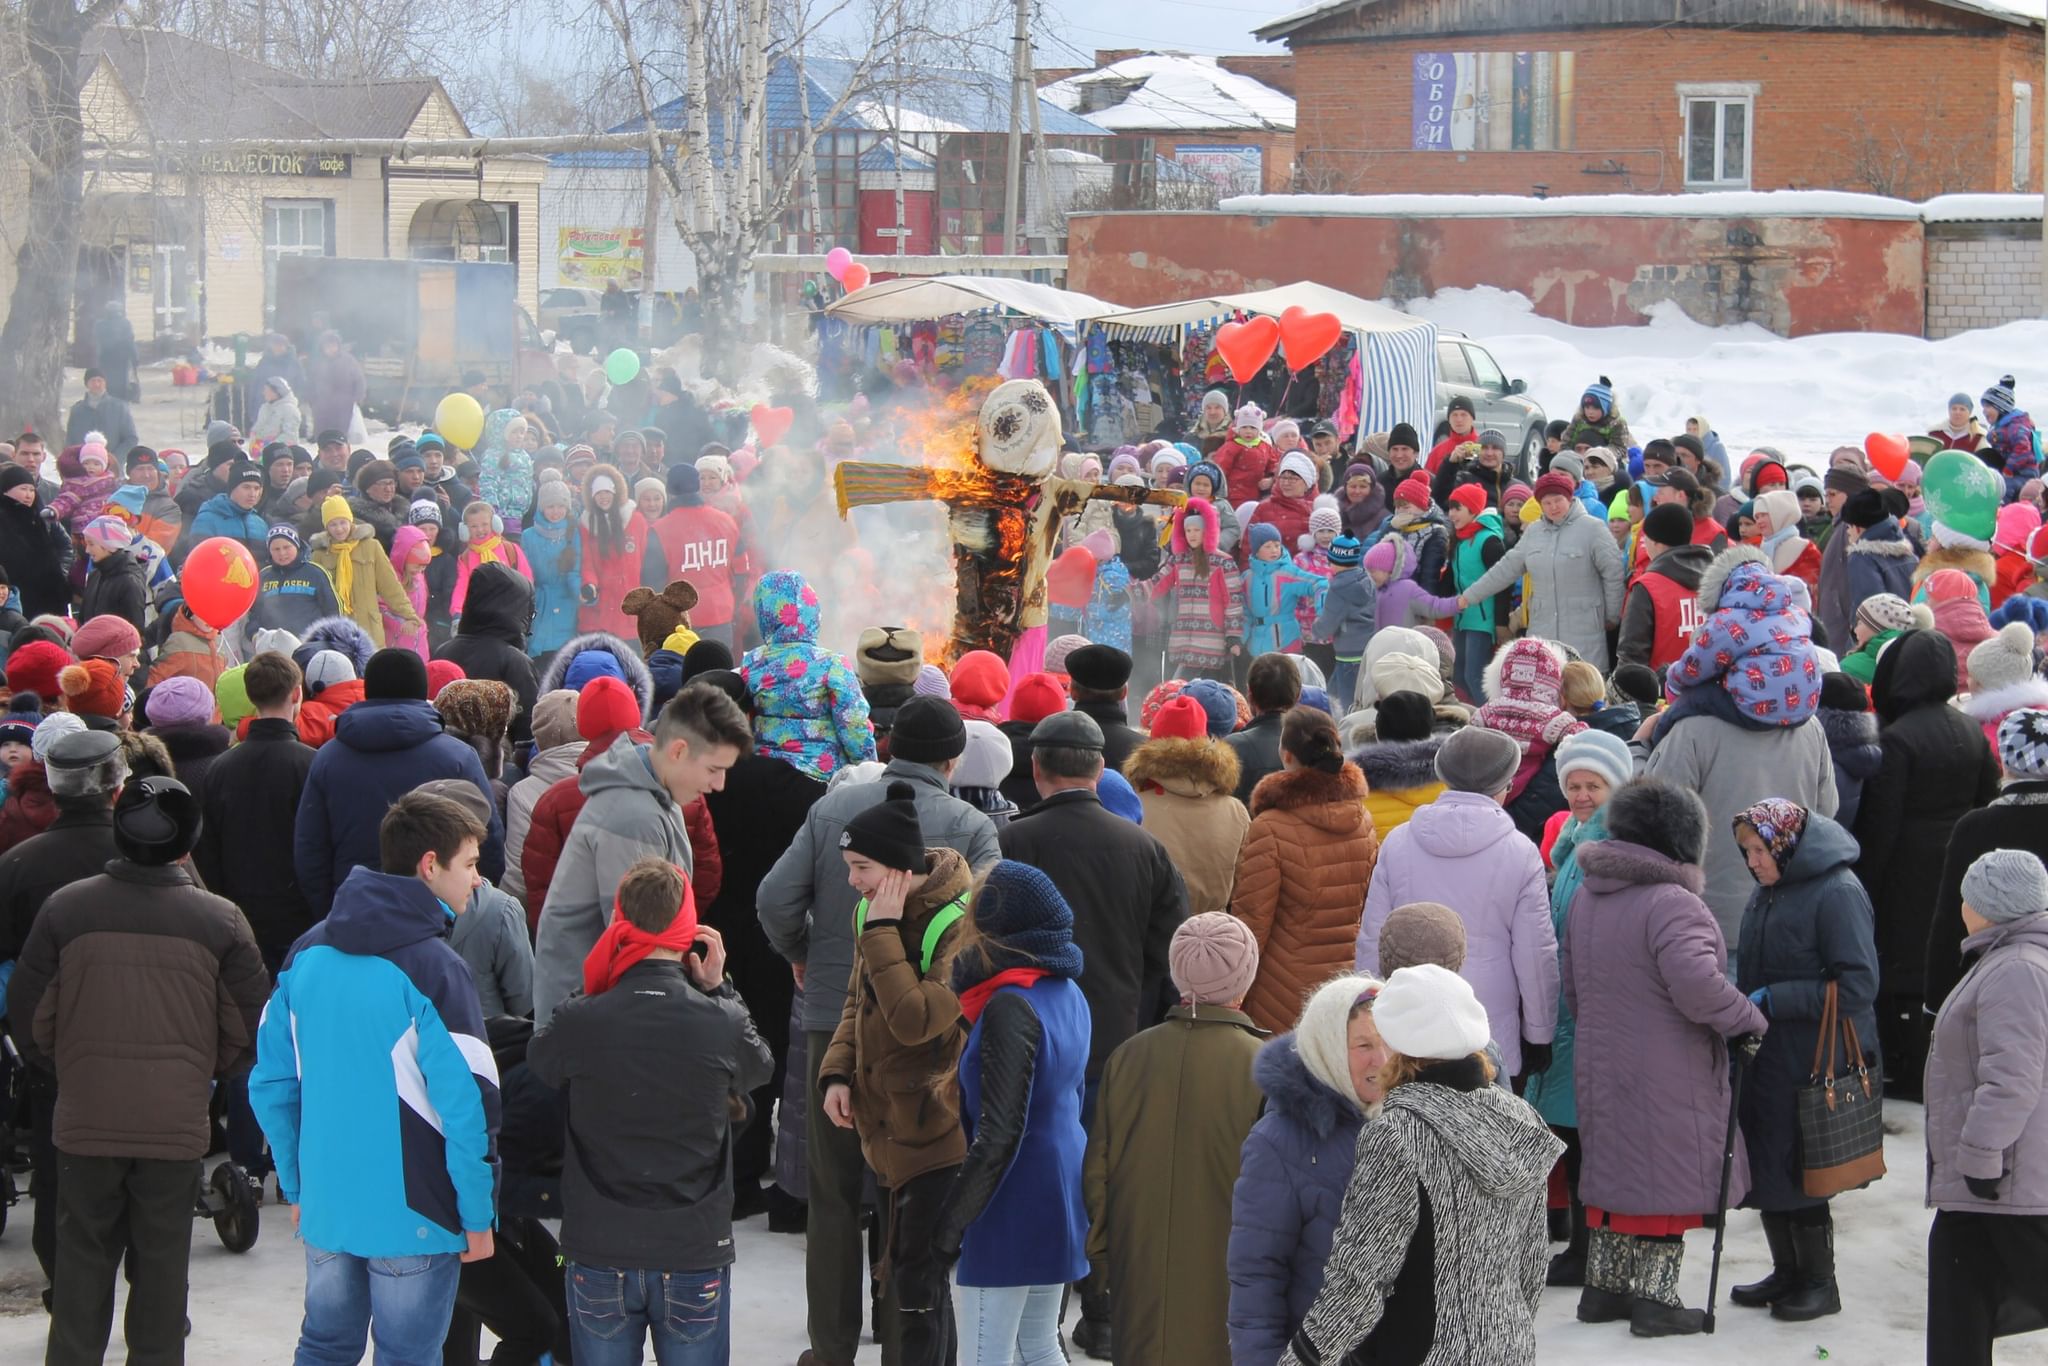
(1464, 367)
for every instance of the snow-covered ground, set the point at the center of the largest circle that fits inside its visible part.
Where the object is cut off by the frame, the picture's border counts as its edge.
(1804, 396)
(245, 1310)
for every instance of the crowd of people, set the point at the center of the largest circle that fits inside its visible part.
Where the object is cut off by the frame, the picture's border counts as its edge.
(1393, 886)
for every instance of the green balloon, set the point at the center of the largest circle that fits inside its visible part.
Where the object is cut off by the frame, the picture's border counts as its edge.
(1963, 493)
(622, 365)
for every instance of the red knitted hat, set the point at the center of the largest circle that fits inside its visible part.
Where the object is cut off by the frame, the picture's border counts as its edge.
(440, 673)
(1413, 491)
(93, 688)
(606, 707)
(1470, 497)
(980, 683)
(1182, 718)
(1554, 482)
(1037, 697)
(33, 669)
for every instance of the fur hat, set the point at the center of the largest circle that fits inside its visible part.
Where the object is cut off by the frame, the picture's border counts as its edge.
(887, 654)
(1421, 932)
(1595, 751)
(2022, 743)
(1102, 668)
(1478, 760)
(92, 688)
(2004, 659)
(1430, 1012)
(1404, 714)
(346, 638)
(1660, 816)
(2006, 885)
(656, 615)
(1213, 958)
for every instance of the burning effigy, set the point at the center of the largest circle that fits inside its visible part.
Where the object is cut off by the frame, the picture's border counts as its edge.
(1004, 506)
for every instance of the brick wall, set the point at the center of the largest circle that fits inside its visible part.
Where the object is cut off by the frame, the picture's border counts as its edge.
(1831, 110)
(1981, 275)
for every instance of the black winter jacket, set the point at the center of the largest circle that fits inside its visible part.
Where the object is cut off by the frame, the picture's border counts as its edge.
(1127, 899)
(116, 587)
(1119, 739)
(245, 841)
(644, 1071)
(490, 641)
(1937, 766)
(2016, 819)
(36, 552)
(194, 750)
(1020, 787)
(78, 845)
(1258, 752)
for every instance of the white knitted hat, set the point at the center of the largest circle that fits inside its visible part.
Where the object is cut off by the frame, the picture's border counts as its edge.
(2004, 659)
(1430, 1012)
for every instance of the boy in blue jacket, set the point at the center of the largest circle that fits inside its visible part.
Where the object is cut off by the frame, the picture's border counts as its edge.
(1350, 613)
(378, 1092)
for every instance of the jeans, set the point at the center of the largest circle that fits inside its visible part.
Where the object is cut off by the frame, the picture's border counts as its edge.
(1005, 1324)
(404, 1303)
(916, 1319)
(1344, 684)
(111, 1209)
(611, 1313)
(1474, 653)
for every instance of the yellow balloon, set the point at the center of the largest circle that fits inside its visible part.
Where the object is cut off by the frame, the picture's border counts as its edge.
(460, 420)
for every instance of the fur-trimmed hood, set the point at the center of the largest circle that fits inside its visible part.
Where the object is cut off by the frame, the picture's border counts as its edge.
(1883, 539)
(630, 664)
(1978, 564)
(343, 636)
(1328, 801)
(358, 533)
(1398, 765)
(1849, 729)
(1611, 864)
(1184, 768)
(1211, 530)
(1293, 1091)
(1715, 579)
(1995, 704)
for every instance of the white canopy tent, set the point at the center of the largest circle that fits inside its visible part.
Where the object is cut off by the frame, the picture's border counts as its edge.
(1397, 351)
(916, 298)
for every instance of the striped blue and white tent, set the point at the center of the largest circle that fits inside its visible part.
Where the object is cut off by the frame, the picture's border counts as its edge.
(1398, 351)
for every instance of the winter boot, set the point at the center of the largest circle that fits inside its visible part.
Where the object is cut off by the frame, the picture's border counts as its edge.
(1817, 1294)
(1610, 1268)
(1784, 1277)
(1656, 1311)
(1569, 1266)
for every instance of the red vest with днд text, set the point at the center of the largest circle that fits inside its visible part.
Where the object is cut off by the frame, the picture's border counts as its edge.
(1676, 618)
(702, 544)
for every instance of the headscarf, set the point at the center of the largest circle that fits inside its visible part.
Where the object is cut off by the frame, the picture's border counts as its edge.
(1779, 822)
(1361, 519)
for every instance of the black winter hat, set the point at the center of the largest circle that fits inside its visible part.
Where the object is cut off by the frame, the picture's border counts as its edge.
(395, 674)
(1100, 668)
(1660, 816)
(1461, 404)
(1404, 435)
(928, 731)
(1843, 692)
(156, 821)
(703, 657)
(223, 453)
(1668, 524)
(1864, 509)
(888, 832)
(1404, 715)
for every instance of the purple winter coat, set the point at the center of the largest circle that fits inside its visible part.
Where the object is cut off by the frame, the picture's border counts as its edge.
(1283, 1213)
(1645, 977)
(1463, 850)
(1985, 1116)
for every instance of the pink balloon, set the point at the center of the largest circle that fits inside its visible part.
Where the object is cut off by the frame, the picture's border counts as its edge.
(836, 262)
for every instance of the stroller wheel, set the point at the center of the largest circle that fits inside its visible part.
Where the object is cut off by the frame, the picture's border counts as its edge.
(239, 1220)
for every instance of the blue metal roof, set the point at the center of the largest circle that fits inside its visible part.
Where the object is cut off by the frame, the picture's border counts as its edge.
(942, 99)
(884, 157)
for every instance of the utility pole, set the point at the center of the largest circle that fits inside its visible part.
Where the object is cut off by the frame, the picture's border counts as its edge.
(650, 231)
(1047, 208)
(1020, 76)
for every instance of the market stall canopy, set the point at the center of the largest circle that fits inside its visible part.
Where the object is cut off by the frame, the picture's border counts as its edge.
(1396, 351)
(917, 298)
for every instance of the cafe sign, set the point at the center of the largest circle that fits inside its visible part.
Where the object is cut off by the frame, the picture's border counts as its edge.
(280, 162)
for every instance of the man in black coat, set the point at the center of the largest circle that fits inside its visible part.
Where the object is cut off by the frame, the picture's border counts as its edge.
(2017, 818)
(490, 639)
(86, 772)
(1272, 687)
(1101, 677)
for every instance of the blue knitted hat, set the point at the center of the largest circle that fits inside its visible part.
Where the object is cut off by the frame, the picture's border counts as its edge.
(1602, 394)
(1023, 922)
(1217, 704)
(2002, 396)
(592, 663)
(1345, 551)
(1260, 534)
(1217, 483)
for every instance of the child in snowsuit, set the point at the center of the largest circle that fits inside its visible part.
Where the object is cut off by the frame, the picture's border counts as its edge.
(1203, 596)
(1274, 589)
(1349, 614)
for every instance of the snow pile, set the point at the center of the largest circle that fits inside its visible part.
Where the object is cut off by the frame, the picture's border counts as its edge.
(1803, 395)
(1981, 208)
(1176, 91)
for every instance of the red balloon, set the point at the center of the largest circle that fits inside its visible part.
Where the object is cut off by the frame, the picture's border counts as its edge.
(219, 580)
(1888, 454)
(771, 424)
(854, 277)
(1247, 346)
(1306, 337)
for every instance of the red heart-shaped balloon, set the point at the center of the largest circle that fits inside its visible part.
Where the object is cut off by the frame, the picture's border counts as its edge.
(1306, 337)
(1888, 454)
(1247, 346)
(771, 424)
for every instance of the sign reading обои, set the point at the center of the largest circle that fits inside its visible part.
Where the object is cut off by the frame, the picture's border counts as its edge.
(277, 162)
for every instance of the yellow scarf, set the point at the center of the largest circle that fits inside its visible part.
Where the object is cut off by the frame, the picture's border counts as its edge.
(345, 576)
(488, 550)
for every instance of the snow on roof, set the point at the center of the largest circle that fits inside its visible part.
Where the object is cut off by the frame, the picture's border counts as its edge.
(1982, 208)
(1171, 90)
(1722, 204)
(2012, 11)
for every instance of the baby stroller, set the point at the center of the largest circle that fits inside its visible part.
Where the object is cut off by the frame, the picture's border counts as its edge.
(14, 1126)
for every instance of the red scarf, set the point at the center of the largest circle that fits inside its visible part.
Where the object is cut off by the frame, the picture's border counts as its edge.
(1470, 529)
(975, 999)
(623, 944)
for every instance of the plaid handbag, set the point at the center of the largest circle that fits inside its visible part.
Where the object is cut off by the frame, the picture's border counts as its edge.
(1841, 1129)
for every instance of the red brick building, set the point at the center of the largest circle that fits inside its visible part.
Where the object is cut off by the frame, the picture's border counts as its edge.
(1900, 97)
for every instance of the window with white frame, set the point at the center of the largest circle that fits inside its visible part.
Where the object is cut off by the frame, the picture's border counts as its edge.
(506, 245)
(1718, 136)
(2022, 134)
(294, 227)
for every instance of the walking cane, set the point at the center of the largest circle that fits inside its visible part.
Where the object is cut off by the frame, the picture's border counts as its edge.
(1739, 1054)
